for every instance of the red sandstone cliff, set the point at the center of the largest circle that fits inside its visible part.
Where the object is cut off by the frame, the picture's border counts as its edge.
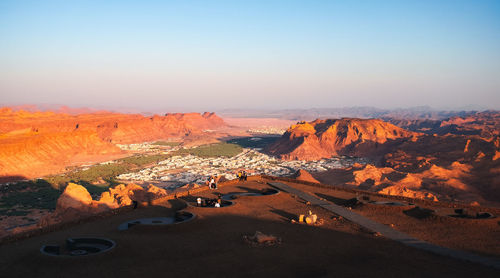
(32, 155)
(325, 138)
(39, 143)
(110, 127)
(448, 167)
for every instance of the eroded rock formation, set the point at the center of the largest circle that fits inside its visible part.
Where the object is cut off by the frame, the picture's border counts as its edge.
(484, 124)
(326, 138)
(76, 203)
(33, 144)
(428, 166)
(303, 175)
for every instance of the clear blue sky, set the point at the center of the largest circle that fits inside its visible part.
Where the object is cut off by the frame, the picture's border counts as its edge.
(250, 54)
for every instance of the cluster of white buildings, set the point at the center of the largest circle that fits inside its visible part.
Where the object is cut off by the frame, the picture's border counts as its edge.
(180, 170)
(267, 130)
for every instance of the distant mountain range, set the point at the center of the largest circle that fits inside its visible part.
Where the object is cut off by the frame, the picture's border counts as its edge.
(306, 114)
(421, 112)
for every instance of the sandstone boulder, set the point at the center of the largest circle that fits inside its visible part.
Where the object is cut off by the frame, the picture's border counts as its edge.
(156, 192)
(371, 172)
(303, 175)
(260, 238)
(398, 190)
(124, 195)
(76, 203)
(73, 204)
(74, 196)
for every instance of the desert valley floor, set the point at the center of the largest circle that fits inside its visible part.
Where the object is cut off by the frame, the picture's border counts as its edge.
(393, 198)
(213, 245)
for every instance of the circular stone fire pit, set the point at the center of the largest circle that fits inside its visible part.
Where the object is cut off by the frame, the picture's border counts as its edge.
(265, 192)
(180, 217)
(77, 247)
(460, 213)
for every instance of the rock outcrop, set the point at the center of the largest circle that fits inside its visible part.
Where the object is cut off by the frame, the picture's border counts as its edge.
(74, 197)
(405, 192)
(446, 168)
(260, 238)
(76, 203)
(455, 182)
(326, 138)
(458, 158)
(34, 144)
(484, 124)
(303, 175)
(124, 195)
(33, 155)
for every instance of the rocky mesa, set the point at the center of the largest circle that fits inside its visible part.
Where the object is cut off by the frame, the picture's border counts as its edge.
(346, 136)
(451, 167)
(33, 144)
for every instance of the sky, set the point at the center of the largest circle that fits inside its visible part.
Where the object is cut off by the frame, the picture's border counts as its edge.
(209, 55)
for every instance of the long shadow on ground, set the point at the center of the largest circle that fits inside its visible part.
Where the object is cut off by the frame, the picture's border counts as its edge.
(213, 246)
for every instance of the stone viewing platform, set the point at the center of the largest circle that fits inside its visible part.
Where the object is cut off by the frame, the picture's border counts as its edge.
(259, 235)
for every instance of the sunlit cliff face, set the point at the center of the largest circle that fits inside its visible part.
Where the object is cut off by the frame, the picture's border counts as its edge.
(458, 166)
(324, 138)
(35, 144)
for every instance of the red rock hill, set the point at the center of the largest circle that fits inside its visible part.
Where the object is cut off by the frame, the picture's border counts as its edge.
(303, 175)
(39, 143)
(484, 124)
(445, 167)
(347, 136)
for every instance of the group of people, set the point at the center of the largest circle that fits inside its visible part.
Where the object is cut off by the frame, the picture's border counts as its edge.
(212, 182)
(242, 175)
(209, 202)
